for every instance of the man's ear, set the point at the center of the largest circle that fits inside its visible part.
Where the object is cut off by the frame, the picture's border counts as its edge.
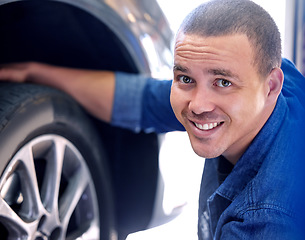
(275, 83)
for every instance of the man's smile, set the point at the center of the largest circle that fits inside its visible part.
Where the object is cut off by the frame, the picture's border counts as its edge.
(207, 126)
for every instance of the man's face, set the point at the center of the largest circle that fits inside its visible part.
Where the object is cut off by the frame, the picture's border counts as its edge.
(217, 94)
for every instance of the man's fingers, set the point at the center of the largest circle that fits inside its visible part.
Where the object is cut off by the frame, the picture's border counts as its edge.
(13, 72)
(7, 74)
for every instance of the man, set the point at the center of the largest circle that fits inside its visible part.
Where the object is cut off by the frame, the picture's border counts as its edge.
(227, 93)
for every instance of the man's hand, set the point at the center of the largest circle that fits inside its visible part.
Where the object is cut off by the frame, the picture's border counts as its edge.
(94, 90)
(15, 72)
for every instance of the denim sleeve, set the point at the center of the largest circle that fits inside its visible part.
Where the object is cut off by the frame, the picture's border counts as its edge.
(158, 115)
(127, 105)
(143, 104)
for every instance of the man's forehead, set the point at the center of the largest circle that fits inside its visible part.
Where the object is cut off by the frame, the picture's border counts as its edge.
(233, 47)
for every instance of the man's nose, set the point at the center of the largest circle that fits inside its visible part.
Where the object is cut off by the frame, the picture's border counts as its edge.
(202, 100)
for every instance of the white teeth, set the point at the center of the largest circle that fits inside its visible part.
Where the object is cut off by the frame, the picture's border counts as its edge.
(206, 126)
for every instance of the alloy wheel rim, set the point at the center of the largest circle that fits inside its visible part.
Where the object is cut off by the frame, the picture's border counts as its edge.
(47, 192)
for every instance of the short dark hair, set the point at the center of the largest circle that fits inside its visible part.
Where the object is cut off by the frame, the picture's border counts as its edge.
(226, 17)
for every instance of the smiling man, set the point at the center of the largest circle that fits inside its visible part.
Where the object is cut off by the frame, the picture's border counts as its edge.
(226, 92)
(221, 93)
(229, 95)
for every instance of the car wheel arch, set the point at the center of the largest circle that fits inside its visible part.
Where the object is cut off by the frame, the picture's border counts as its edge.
(87, 53)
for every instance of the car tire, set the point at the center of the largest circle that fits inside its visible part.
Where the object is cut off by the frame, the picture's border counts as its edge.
(54, 178)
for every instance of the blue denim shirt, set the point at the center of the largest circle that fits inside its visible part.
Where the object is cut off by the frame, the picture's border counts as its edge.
(262, 196)
(257, 200)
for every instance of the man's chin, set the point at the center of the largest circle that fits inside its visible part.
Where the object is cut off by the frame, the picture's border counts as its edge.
(205, 148)
(206, 153)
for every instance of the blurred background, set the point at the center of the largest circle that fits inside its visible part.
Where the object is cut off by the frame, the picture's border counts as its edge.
(184, 180)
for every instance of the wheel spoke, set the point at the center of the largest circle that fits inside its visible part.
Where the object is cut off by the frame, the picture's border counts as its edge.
(51, 183)
(31, 200)
(76, 187)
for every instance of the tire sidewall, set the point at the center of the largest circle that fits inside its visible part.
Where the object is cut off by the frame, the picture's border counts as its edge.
(49, 111)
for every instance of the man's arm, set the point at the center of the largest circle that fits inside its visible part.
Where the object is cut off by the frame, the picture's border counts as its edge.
(143, 103)
(94, 90)
(131, 101)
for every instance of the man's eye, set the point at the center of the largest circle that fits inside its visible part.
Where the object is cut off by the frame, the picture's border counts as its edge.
(223, 83)
(185, 79)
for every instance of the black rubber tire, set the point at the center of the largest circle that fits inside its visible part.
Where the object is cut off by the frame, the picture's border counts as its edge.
(28, 111)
